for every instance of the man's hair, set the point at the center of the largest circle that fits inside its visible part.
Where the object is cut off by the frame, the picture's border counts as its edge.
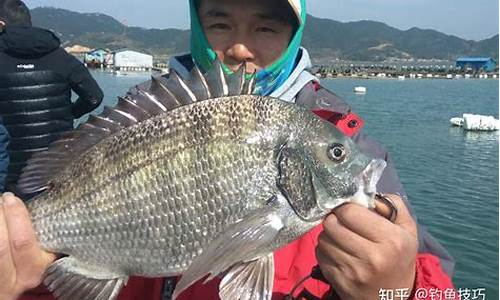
(14, 12)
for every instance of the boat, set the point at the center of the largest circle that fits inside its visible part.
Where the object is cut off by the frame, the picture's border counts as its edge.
(360, 90)
(457, 121)
(119, 73)
(471, 122)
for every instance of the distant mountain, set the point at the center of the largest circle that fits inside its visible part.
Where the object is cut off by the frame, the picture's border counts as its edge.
(488, 46)
(326, 39)
(102, 31)
(374, 41)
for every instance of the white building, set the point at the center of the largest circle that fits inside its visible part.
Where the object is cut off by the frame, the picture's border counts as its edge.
(128, 60)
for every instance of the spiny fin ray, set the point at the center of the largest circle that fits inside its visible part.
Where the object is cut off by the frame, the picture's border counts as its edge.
(93, 283)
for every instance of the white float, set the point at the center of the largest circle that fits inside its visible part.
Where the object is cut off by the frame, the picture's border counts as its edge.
(476, 122)
(457, 121)
(360, 90)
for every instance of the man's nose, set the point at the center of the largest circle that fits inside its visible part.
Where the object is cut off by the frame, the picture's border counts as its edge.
(240, 53)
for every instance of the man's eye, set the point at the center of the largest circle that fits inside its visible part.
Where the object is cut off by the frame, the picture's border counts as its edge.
(266, 29)
(220, 26)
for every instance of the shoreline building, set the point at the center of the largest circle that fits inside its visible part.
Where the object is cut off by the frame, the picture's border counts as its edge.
(128, 60)
(486, 64)
(97, 58)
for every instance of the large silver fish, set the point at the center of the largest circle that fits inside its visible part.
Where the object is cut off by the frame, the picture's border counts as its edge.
(164, 184)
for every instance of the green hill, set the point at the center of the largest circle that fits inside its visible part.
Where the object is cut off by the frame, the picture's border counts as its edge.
(326, 39)
(102, 31)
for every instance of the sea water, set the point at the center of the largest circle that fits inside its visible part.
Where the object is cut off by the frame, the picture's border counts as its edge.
(450, 176)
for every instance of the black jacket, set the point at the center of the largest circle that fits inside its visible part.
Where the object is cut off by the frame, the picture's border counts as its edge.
(36, 79)
(4, 157)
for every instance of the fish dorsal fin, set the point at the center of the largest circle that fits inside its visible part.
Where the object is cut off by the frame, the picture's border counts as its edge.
(236, 83)
(160, 95)
(199, 85)
(179, 87)
(217, 81)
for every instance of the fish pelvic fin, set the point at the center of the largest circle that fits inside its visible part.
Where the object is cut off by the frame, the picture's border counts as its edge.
(241, 243)
(68, 278)
(248, 281)
(159, 95)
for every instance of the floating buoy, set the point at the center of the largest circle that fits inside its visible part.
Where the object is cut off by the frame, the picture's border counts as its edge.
(476, 122)
(360, 90)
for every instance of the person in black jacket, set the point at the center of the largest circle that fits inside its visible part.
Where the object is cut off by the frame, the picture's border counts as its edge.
(4, 157)
(36, 79)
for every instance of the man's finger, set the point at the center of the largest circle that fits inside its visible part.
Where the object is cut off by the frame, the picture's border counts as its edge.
(331, 270)
(28, 258)
(364, 222)
(7, 270)
(345, 239)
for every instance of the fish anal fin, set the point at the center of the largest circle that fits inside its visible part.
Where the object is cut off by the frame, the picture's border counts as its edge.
(249, 281)
(68, 278)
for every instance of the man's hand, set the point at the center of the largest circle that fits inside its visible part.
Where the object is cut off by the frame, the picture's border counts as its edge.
(360, 252)
(22, 262)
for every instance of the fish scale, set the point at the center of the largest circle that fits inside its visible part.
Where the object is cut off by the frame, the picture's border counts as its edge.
(230, 168)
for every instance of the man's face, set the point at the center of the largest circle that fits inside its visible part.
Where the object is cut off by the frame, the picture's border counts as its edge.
(256, 32)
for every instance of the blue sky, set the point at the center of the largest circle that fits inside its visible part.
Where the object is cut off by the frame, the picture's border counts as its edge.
(470, 19)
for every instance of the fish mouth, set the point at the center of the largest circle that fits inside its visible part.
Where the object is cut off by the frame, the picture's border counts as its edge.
(362, 190)
(366, 181)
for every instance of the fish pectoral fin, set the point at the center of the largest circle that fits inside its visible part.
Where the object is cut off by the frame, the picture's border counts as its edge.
(68, 278)
(250, 280)
(240, 243)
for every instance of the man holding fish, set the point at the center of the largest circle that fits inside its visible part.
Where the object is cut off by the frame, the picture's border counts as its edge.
(358, 251)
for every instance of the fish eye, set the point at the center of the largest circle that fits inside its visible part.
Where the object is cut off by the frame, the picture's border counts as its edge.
(336, 152)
